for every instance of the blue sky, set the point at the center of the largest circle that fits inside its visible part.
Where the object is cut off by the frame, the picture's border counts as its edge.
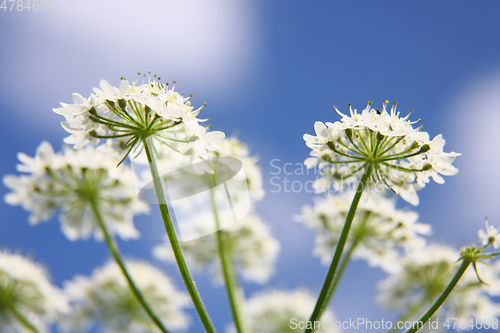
(267, 70)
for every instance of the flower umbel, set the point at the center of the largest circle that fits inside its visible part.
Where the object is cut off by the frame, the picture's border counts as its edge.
(378, 234)
(249, 243)
(133, 112)
(68, 181)
(104, 298)
(27, 298)
(489, 236)
(276, 311)
(402, 157)
(425, 273)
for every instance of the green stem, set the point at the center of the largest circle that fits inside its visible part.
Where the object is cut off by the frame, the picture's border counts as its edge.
(324, 296)
(23, 320)
(449, 288)
(174, 242)
(342, 267)
(234, 291)
(113, 248)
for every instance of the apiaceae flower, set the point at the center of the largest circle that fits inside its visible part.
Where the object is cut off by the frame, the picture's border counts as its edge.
(26, 295)
(380, 232)
(68, 182)
(133, 112)
(398, 155)
(105, 299)
(284, 311)
(424, 274)
(248, 243)
(489, 236)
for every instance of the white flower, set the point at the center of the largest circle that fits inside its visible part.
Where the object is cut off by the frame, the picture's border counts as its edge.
(425, 273)
(401, 157)
(248, 243)
(489, 236)
(105, 299)
(26, 291)
(379, 230)
(132, 113)
(232, 147)
(68, 181)
(186, 175)
(276, 311)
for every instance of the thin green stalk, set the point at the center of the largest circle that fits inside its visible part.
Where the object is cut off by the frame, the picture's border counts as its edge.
(342, 267)
(346, 258)
(113, 248)
(449, 288)
(174, 242)
(23, 320)
(324, 296)
(234, 291)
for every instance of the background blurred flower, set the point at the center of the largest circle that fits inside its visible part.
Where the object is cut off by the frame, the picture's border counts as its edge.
(105, 299)
(68, 181)
(26, 295)
(248, 243)
(279, 311)
(380, 232)
(424, 274)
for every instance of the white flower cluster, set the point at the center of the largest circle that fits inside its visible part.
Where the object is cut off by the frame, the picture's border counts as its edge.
(400, 156)
(232, 147)
(133, 112)
(425, 273)
(105, 298)
(188, 172)
(27, 294)
(275, 311)
(379, 230)
(248, 243)
(489, 236)
(68, 181)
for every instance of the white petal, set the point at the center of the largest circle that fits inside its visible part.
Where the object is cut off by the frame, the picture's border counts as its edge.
(78, 99)
(319, 128)
(213, 137)
(437, 143)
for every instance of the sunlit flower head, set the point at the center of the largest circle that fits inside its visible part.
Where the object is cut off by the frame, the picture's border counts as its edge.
(105, 299)
(67, 182)
(26, 294)
(489, 236)
(425, 273)
(380, 232)
(382, 143)
(283, 311)
(133, 112)
(248, 243)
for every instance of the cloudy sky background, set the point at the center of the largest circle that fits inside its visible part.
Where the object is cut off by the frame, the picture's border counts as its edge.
(267, 70)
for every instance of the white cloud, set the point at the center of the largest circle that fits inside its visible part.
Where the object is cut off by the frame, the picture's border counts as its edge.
(475, 117)
(208, 46)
